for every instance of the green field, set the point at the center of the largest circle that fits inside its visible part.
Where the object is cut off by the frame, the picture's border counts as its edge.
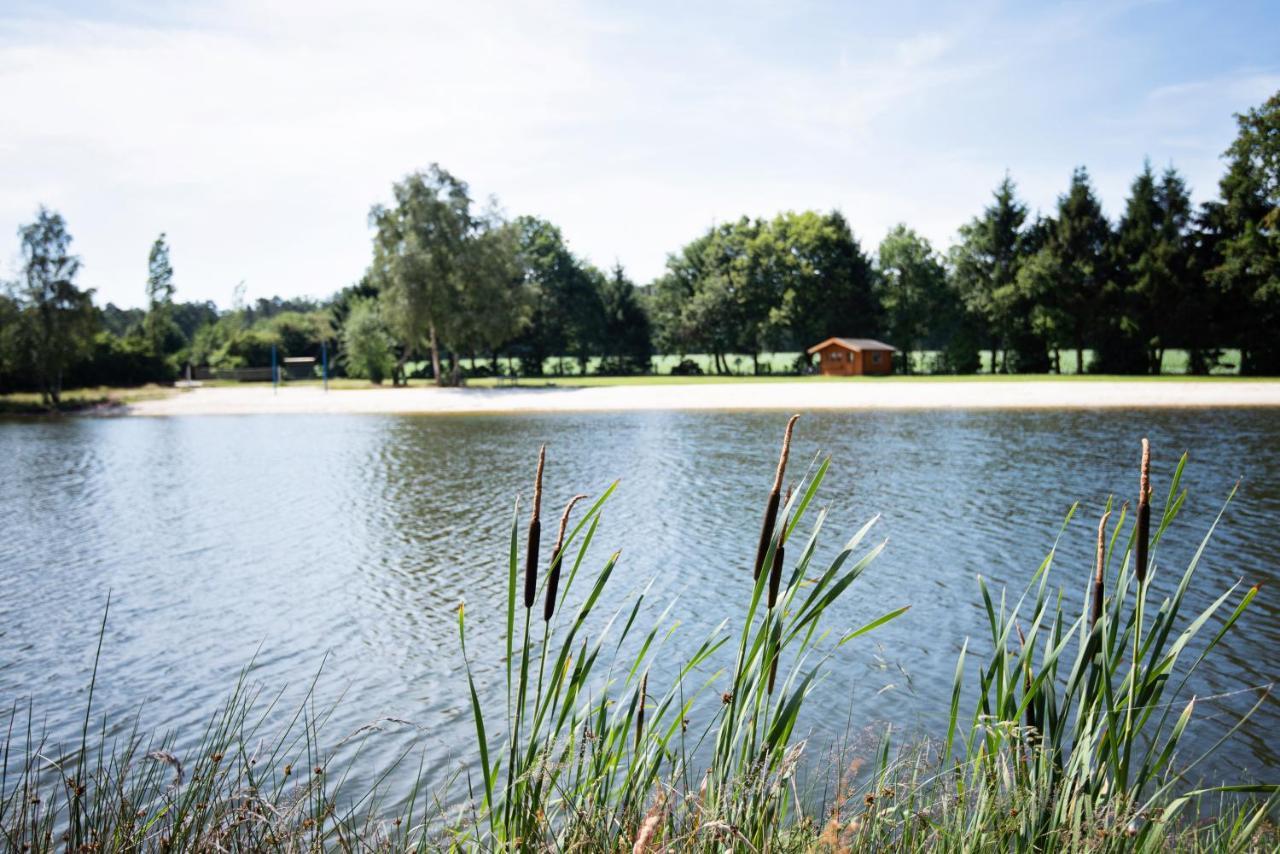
(783, 363)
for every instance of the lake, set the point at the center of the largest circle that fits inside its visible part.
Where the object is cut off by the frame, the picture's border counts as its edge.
(349, 541)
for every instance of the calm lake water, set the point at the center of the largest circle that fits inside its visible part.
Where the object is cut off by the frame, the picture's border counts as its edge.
(349, 542)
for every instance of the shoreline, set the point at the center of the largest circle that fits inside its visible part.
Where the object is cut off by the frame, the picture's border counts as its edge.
(863, 396)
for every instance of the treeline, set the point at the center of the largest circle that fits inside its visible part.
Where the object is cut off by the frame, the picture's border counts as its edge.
(455, 289)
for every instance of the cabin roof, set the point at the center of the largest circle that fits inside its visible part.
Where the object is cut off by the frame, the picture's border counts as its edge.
(853, 344)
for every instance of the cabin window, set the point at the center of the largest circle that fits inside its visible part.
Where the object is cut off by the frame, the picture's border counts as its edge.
(875, 358)
(833, 355)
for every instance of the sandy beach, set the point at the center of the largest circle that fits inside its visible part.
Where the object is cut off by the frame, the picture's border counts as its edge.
(799, 396)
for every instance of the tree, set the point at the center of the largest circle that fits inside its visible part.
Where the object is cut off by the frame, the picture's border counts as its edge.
(750, 286)
(985, 266)
(159, 319)
(1145, 303)
(824, 281)
(437, 267)
(1249, 272)
(366, 345)
(913, 286)
(627, 341)
(12, 358)
(492, 303)
(1080, 243)
(59, 319)
(705, 299)
(565, 314)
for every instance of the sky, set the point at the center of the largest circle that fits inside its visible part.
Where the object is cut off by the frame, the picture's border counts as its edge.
(258, 135)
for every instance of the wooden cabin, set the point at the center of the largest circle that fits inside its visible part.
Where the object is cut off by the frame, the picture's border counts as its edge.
(851, 357)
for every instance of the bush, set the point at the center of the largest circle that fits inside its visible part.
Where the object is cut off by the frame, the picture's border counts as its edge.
(367, 349)
(686, 368)
(124, 361)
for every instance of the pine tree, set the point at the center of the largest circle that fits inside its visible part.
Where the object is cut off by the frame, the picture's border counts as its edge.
(986, 263)
(1081, 245)
(627, 346)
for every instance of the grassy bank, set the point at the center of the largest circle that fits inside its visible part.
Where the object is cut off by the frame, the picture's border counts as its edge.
(1065, 732)
(99, 398)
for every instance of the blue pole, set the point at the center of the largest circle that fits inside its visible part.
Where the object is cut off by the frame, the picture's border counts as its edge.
(324, 359)
(275, 372)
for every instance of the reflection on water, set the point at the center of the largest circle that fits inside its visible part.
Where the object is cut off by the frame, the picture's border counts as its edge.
(349, 542)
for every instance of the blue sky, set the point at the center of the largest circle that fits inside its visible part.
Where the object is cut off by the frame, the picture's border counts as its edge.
(258, 137)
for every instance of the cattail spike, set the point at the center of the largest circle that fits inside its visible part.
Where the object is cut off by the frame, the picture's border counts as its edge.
(1144, 515)
(535, 534)
(771, 506)
(786, 452)
(553, 576)
(775, 582)
(1097, 572)
(775, 571)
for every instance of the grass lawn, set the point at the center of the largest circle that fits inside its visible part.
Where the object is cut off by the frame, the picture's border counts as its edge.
(80, 399)
(666, 379)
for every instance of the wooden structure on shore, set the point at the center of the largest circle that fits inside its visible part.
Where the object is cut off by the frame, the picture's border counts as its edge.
(851, 357)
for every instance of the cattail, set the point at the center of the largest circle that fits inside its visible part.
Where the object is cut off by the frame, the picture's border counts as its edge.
(553, 578)
(1097, 572)
(535, 534)
(775, 581)
(771, 508)
(1144, 514)
(644, 688)
(775, 571)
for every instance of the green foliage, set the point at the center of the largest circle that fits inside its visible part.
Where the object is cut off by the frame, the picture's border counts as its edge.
(159, 319)
(1249, 221)
(116, 361)
(985, 264)
(58, 319)
(300, 334)
(456, 279)
(566, 311)
(1080, 250)
(627, 343)
(447, 275)
(753, 285)
(12, 359)
(366, 345)
(913, 289)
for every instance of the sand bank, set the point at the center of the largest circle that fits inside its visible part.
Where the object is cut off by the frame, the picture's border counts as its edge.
(799, 396)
